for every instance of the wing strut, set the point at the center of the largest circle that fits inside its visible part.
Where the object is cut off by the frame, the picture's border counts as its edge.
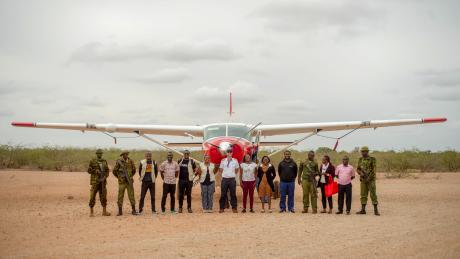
(163, 145)
(294, 143)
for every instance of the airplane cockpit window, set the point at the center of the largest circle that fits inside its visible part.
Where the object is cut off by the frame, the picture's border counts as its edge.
(240, 131)
(214, 131)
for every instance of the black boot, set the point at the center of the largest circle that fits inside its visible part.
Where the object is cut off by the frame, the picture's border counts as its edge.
(120, 211)
(134, 212)
(376, 210)
(363, 209)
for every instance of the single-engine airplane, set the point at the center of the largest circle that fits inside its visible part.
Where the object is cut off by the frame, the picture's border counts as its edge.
(219, 137)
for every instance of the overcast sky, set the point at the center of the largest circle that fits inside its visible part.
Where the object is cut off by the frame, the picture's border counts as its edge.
(174, 62)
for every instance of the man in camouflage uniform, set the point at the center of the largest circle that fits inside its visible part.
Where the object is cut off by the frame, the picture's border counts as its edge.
(124, 170)
(308, 171)
(99, 171)
(366, 169)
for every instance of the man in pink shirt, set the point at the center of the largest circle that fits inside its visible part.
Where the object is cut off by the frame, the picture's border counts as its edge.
(345, 173)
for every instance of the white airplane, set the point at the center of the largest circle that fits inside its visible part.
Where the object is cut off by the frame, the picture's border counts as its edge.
(217, 138)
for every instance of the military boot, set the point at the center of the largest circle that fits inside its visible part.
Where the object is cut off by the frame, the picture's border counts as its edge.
(104, 212)
(120, 211)
(363, 209)
(376, 210)
(91, 212)
(134, 212)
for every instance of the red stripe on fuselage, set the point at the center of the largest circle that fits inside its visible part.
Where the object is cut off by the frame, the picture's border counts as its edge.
(23, 124)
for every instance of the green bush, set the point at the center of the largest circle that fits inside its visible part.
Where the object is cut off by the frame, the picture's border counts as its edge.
(76, 159)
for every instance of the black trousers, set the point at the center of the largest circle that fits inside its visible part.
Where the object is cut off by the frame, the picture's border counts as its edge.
(150, 186)
(345, 190)
(228, 184)
(324, 198)
(171, 190)
(185, 188)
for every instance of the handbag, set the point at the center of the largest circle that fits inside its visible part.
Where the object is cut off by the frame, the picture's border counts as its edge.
(331, 188)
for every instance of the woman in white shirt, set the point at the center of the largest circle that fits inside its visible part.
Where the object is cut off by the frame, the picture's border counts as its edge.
(248, 172)
(207, 172)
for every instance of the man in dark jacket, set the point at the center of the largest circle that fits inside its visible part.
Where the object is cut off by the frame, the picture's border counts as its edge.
(287, 170)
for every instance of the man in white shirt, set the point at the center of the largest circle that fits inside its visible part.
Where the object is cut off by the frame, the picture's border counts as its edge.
(229, 167)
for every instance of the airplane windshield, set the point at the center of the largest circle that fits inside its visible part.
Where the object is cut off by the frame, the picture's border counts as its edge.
(214, 131)
(239, 131)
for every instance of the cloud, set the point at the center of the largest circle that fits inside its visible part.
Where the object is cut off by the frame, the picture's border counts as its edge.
(243, 91)
(6, 114)
(345, 18)
(178, 51)
(441, 78)
(445, 96)
(169, 75)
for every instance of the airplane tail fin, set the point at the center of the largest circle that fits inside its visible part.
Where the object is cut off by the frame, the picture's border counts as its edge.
(230, 112)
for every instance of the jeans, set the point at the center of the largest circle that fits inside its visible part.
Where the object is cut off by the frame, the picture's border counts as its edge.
(185, 188)
(345, 190)
(150, 186)
(228, 184)
(171, 190)
(207, 194)
(287, 188)
(248, 189)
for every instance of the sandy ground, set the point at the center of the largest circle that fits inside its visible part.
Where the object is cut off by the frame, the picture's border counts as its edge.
(420, 218)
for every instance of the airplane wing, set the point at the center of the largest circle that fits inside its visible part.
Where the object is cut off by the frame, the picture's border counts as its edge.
(284, 129)
(170, 130)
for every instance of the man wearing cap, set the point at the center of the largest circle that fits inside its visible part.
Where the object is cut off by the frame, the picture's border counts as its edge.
(124, 170)
(148, 172)
(229, 168)
(99, 171)
(366, 169)
(186, 175)
(169, 170)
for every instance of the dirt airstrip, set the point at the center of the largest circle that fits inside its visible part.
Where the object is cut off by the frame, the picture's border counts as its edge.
(45, 215)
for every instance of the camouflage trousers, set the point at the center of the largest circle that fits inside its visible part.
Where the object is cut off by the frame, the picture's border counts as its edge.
(121, 193)
(309, 193)
(100, 188)
(366, 188)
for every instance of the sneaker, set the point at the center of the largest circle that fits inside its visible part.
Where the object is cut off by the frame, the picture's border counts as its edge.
(339, 212)
(348, 212)
(180, 210)
(243, 211)
(173, 212)
(292, 211)
(189, 210)
(282, 211)
(251, 210)
(163, 212)
(323, 211)
(154, 212)
(235, 210)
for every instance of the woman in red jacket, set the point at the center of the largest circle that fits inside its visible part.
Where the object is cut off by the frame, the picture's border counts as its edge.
(326, 169)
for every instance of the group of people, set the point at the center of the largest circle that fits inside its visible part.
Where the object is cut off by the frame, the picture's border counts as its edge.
(249, 175)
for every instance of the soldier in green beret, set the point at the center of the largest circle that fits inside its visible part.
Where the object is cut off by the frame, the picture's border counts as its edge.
(308, 170)
(366, 169)
(99, 171)
(124, 170)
